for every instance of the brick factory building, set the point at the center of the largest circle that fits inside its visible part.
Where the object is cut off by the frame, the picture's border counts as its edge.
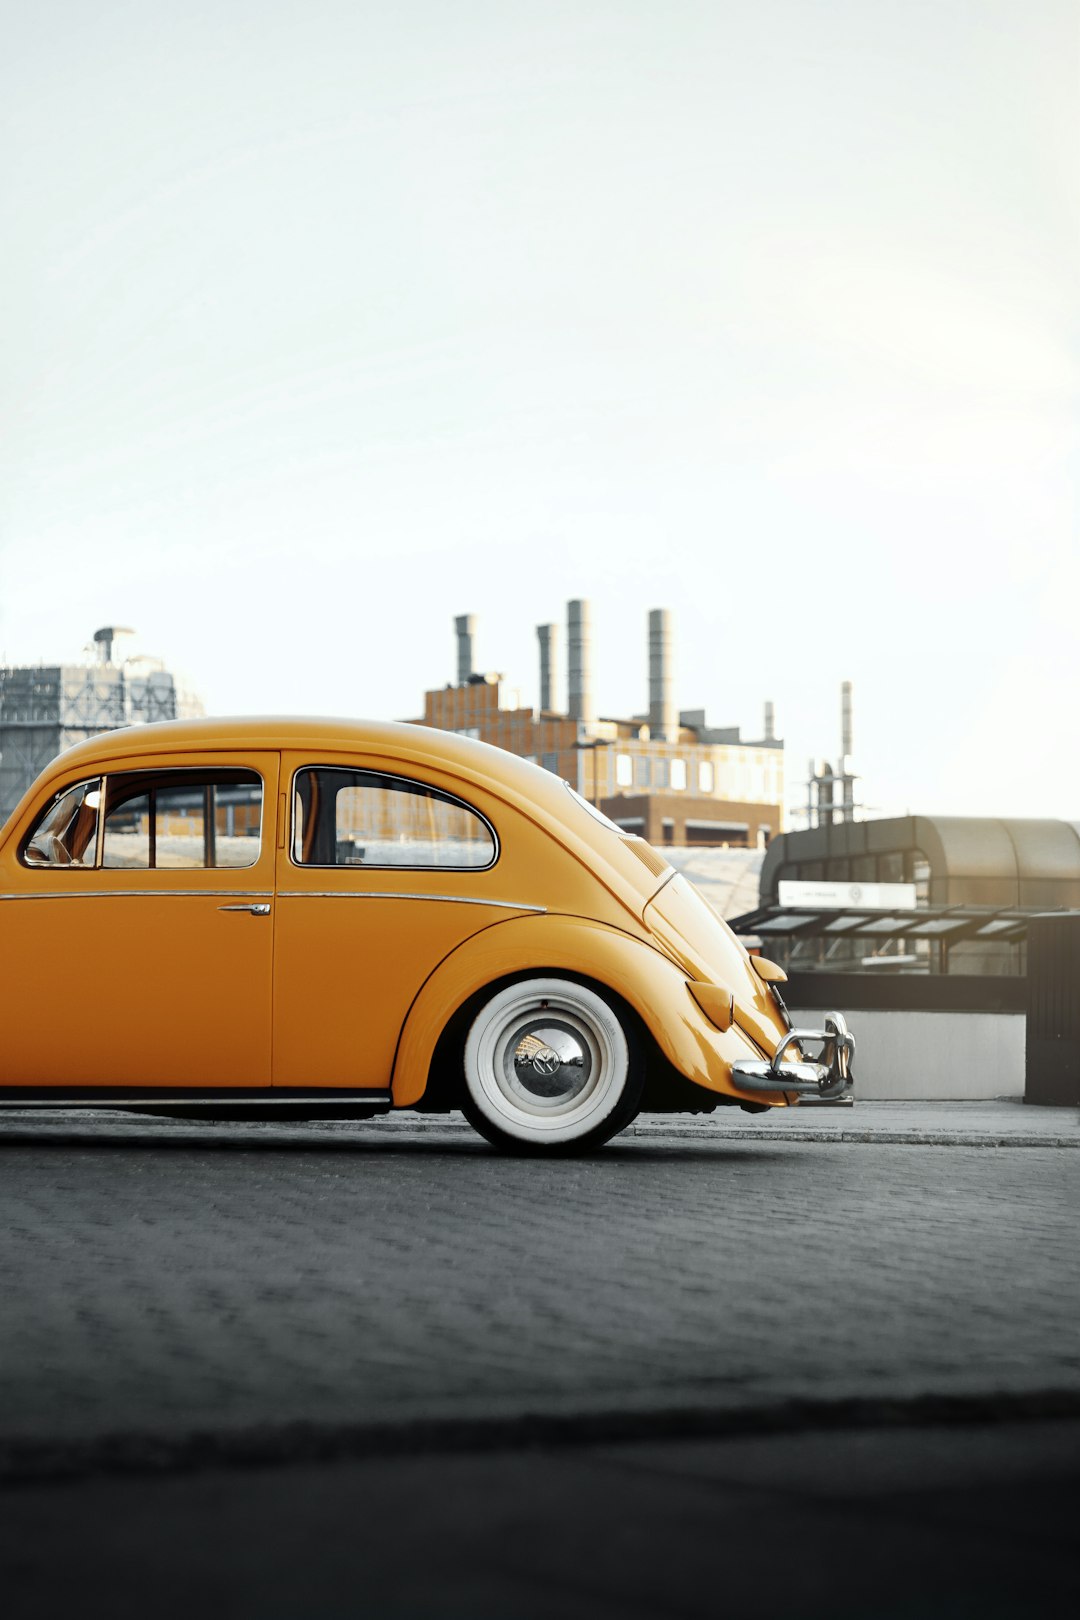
(665, 774)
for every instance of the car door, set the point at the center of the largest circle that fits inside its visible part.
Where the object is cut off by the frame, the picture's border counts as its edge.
(382, 874)
(136, 938)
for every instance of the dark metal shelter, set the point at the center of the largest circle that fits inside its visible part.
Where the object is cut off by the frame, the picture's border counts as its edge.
(978, 883)
(952, 860)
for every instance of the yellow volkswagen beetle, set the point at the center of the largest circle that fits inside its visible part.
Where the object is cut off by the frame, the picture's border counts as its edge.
(330, 917)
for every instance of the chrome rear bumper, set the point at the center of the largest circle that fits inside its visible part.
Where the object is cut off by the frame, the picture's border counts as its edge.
(828, 1075)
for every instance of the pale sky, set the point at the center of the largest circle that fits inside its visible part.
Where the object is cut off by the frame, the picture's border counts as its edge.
(321, 322)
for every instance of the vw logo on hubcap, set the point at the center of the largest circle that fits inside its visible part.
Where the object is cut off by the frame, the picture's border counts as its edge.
(550, 1064)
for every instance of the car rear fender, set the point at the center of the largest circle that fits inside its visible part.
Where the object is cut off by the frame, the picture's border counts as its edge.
(646, 980)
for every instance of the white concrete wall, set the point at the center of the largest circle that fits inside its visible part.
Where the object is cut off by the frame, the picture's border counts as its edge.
(960, 1056)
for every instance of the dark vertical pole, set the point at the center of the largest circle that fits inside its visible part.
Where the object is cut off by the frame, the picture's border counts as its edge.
(1053, 1011)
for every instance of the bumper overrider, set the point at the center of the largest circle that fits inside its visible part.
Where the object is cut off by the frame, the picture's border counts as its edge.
(826, 1075)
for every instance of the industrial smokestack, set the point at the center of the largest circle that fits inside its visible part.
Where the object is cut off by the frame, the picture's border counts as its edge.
(826, 794)
(847, 745)
(548, 636)
(579, 663)
(663, 710)
(465, 626)
(770, 721)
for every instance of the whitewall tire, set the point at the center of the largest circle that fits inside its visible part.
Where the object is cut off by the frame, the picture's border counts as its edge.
(551, 1066)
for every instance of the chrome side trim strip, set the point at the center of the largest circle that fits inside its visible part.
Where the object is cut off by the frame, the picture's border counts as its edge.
(146, 894)
(370, 894)
(266, 894)
(672, 874)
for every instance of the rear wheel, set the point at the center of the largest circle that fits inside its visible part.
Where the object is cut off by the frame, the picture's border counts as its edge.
(551, 1066)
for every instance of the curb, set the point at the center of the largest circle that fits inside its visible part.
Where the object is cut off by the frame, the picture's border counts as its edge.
(44, 1461)
(237, 1134)
(882, 1137)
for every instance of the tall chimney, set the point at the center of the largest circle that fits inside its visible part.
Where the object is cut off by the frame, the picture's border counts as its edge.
(847, 740)
(579, 663)
(465, 626)
(770, 720)
(826, 794)
(663, 710)
(847, 744)
(548, 636)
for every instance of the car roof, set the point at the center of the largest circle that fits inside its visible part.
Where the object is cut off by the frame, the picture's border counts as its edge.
(395, 740)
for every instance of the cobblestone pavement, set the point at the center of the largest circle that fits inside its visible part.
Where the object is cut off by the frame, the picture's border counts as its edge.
(229, 1281)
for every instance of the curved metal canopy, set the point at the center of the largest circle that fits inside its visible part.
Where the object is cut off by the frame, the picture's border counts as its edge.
(972, 860)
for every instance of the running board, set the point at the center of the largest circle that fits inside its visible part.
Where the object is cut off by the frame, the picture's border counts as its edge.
(230, 1098)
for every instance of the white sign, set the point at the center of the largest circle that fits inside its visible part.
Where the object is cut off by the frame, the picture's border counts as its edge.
(849, 896)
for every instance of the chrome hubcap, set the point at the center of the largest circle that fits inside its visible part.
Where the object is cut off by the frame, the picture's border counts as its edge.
(548, 1062)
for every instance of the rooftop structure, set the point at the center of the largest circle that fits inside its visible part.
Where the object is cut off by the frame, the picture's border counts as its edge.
(830, 789)
(47, 708)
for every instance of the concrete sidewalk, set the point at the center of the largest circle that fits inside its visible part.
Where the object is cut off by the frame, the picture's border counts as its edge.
(1004, 1122)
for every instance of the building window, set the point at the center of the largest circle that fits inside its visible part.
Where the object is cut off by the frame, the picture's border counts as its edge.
(678, 774)
(642, 773)
(705, 777)
(624, 770)
(661, 773)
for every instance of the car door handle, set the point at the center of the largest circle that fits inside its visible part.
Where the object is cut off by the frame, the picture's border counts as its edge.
(255, 911)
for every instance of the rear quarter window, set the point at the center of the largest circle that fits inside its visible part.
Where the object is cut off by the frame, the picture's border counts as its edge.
(352, 818)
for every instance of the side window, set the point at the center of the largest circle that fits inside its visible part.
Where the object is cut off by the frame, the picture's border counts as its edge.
(157, 820)
(66, 834)
(360, 818)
